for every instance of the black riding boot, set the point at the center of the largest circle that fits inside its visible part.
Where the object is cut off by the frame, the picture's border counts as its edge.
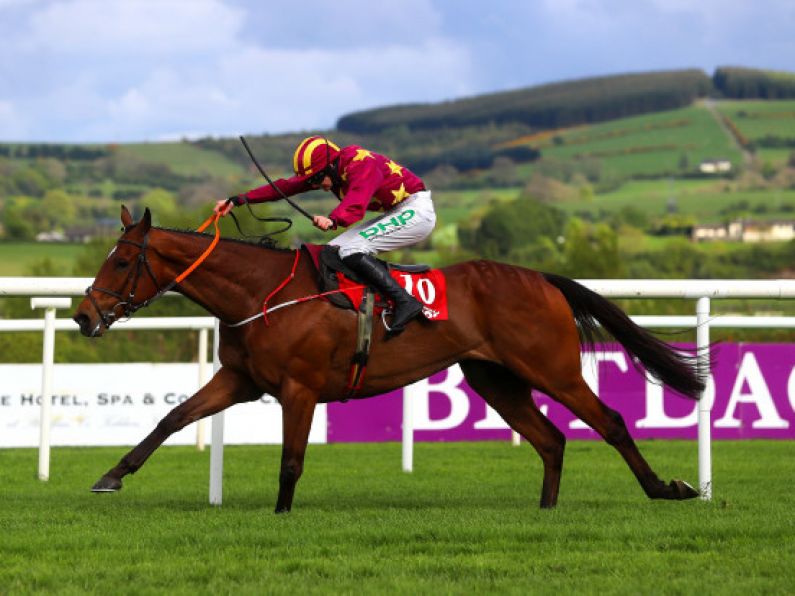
(406, 306)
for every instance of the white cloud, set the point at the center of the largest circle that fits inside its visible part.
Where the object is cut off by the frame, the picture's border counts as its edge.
(133, 70)
(316, 87)
(134, 26)
(260, 90)
(123, 70)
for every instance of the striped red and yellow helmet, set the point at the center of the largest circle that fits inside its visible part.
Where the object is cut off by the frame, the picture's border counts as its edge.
(313, 154)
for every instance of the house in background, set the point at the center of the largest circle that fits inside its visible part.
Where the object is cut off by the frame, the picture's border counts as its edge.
(746, 231)
(715, 166)
(51, 236)
(75, 234)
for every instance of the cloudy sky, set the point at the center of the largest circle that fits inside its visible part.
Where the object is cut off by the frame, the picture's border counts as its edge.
(137, 70)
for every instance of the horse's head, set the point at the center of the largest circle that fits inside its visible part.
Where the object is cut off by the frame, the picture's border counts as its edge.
(125, 282)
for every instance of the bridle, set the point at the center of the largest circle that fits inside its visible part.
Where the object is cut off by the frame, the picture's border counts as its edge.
(127, 303)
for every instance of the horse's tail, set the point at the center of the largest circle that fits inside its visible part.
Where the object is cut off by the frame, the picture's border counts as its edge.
(678, 371)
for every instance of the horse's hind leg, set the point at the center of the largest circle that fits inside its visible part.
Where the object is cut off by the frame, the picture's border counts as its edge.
(223, 390)
(579, 398)
(511, 397)
(298, 407)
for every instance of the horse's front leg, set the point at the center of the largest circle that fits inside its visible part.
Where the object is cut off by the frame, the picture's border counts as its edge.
(224, 389)
(298, 408)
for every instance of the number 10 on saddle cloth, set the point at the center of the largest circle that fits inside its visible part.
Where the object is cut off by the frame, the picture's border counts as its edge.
(429, 287)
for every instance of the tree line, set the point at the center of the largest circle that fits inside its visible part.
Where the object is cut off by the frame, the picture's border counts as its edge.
(55, 151)
(554, 105)
(749, 83)
(584, 101)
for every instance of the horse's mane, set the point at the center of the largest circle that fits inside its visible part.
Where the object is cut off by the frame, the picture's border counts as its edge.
(264, 243)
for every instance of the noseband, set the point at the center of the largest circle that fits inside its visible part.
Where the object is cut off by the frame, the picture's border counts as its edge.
(127, 303)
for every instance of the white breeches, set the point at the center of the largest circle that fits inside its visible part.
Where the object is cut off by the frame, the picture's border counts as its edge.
(407, 223)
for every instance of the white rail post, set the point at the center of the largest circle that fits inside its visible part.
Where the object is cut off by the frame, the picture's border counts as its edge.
(201, 425)
(217, 444)
(48, 352)
(408, 433)
(704, 408)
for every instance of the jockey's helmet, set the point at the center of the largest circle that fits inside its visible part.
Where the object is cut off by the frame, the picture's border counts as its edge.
(314, 155)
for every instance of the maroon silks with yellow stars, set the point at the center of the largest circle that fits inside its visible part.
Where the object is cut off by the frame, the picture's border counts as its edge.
(370, 181)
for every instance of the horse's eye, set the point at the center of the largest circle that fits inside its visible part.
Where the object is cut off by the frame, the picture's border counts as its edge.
(122, 264)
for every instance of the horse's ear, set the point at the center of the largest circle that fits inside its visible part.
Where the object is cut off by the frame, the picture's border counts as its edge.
(126, 218)
(146, 221)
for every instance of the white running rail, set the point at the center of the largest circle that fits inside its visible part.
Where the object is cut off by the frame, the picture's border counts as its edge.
(702, 291)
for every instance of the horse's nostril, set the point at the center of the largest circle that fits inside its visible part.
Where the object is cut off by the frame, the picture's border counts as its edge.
(83, 322)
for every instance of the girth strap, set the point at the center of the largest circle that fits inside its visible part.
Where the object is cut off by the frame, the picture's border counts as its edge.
(364, 334)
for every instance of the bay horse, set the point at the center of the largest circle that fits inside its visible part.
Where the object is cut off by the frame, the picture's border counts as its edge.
(511, 329)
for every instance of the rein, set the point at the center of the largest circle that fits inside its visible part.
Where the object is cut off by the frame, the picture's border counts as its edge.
(214, 220)
(285, 281)
(128, 305)
(266, 310)
(265, 239)
(268, 178)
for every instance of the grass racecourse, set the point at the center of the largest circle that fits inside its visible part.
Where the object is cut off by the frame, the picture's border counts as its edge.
(465, 522)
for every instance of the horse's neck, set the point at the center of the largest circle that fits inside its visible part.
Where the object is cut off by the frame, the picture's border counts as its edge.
(232, 280)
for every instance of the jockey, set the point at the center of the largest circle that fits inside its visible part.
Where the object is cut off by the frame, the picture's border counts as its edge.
(362, 181)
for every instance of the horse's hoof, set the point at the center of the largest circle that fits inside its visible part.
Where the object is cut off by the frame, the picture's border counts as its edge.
(106, 484)
(682, 490)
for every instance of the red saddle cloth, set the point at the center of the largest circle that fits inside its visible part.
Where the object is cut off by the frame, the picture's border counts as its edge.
(429, 287)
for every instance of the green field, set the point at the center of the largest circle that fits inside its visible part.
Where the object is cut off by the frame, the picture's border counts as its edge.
(17, 258)
(466, 521)
(453, 206)
(706, 200)
(184, 158)
(650, 145)
(758, 119)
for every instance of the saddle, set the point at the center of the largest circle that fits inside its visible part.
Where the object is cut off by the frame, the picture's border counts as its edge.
(330, 267)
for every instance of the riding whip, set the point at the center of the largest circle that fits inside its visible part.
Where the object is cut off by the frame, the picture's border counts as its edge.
(276, 188)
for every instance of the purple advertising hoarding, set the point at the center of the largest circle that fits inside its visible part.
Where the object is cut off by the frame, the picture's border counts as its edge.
(751, 388)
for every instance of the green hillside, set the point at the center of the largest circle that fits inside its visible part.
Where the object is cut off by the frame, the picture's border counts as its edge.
(640, 170)
(185, 159)
(766, 127)
(706, 201)
(583, 101)
(668, 143)
(545, 106)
